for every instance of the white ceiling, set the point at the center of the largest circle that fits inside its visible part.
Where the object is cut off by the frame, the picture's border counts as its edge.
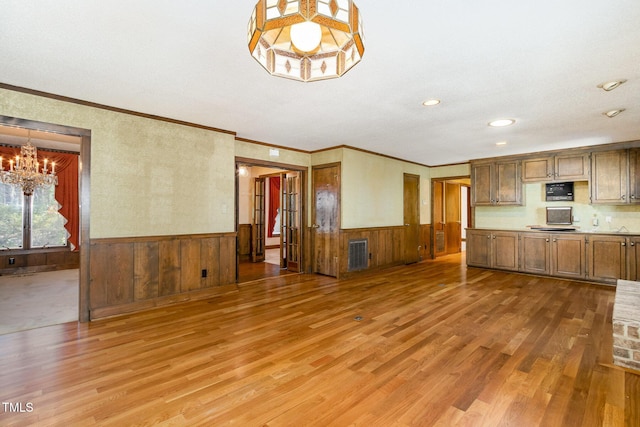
(538, 62)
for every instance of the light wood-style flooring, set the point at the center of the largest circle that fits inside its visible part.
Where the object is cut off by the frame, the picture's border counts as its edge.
(428, 344)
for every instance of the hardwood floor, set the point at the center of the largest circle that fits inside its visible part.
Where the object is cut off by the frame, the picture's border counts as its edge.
(428, 344)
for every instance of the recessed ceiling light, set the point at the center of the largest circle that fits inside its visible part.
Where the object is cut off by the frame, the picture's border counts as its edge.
(431, 102)
(611, 85)
(611, 114)
(501, 143)
(501, 122)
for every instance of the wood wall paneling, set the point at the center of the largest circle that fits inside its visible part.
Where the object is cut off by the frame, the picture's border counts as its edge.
(190, 271)
(209, 257)
(38, 260)
(146, 280)
(169, 261)
(132, 274)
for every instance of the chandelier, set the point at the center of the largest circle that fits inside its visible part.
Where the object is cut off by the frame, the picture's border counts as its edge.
(25, 171)
(306, 40)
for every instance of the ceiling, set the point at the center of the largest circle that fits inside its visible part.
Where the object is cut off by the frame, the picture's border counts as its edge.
(538, 62)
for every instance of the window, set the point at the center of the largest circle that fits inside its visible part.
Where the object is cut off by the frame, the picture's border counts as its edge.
(30, 222)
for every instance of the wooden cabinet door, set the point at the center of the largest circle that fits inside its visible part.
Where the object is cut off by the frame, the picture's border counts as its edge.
(504, 250)
(537, 170)
(572, 167)
(633, 258)
(634, 175)
(609, 177)
(568, 258)
(478, 248)
(326, 219)
(508, 183)
(535, 253)
(607, 258)
(482, 193)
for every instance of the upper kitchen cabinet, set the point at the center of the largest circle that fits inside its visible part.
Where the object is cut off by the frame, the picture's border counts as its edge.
(634, 175)
(610, 177)
(496, 183)
(565, 167)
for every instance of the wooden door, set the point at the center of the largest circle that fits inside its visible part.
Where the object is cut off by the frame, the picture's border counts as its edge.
(326, 219)
(535, 253)
(258, 228)
(609, 177)
(439, 246)
(411, 218)
(572, 166)
(633, 258)
(536, 170)
(607, 258)
(508, 183)
(479, 248)
(452, 214)
(290, 244)
(504, 250)
(568, 257)
(482, 184)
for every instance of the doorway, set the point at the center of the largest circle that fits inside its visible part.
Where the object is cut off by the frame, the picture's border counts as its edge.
(450, 214)
(269, 213)
(58, 137)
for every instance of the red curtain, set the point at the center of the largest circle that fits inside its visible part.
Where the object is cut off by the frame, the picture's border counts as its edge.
(274, 203)
(66, 191)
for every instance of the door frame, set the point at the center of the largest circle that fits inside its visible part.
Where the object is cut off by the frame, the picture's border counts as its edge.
(303, 170)
(464, 178)
(84, 184)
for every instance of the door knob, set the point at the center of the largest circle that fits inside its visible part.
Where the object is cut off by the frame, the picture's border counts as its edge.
(315, 226)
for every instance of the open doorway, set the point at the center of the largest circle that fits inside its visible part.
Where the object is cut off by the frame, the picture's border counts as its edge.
(269, 212)
(44, 280)
(450, 214)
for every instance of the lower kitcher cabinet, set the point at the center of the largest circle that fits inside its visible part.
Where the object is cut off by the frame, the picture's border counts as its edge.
(633, 258)
(568, 257)
(492, 249)
(606, 258)
(535, 253)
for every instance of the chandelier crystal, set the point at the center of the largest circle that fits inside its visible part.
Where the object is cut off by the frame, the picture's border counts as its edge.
(25, 170)
(306, 40)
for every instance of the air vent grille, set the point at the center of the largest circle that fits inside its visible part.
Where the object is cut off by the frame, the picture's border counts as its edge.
(358, 254)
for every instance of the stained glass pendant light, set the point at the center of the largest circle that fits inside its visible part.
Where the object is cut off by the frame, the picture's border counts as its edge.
(306, 40)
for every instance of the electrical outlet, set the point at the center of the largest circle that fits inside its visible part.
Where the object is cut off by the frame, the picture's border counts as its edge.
(607, 219)
(12, 261)
(204, 273)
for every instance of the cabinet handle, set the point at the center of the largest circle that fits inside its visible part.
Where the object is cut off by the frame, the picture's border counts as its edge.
(632, 196)
(489, 236)
(555, 240)
(546, 240)
(624, 244)
(633, 243)
(624, 196)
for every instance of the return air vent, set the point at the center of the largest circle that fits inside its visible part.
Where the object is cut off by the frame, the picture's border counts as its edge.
(358, 255)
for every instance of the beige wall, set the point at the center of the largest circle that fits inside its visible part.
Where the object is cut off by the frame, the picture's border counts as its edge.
(153, 178)
(372, 189)
(147, 177)
(534, 212)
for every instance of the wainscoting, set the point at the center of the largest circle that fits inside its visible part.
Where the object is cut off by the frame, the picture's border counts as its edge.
(386, 247)
(133, 274)
(36, 260)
